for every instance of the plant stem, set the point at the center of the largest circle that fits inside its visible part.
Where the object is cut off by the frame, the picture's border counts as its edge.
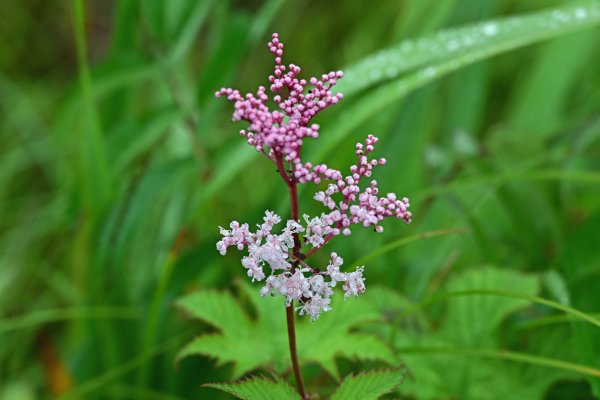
(289, 313)
(292, 185)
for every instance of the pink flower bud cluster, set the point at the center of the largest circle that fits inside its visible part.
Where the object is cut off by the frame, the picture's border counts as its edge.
(282, 132)
(357, 206)
(303, 283)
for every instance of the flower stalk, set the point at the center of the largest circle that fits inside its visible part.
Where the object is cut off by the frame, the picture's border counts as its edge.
(279, 135)
(289, 310)
(291, 330)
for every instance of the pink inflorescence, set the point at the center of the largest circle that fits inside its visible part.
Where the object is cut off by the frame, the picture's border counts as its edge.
(359, 206)
(282, 131)
(279, 135)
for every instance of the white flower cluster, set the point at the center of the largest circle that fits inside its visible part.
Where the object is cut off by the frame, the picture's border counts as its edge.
(290, 279)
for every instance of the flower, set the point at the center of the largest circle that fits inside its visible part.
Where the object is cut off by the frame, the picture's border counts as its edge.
(299, 101)
(354, 284)
(309, 286)
(349, 200)
(359, 206)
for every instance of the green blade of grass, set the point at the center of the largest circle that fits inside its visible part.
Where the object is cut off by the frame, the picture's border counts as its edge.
(454, 43)
(527, 30)
(189, 30)
(506, 355)
(97, 171)
(149, 331)
(406, 240)
(110, 375)
(583, 177)
(37, 318)
(570, 311)
(548, 321)
(532, 299)
(532, 29)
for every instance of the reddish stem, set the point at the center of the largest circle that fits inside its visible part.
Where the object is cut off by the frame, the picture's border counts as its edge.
(289, 313)
(292, 185)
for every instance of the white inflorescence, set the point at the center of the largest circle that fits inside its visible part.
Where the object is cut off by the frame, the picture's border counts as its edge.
(302, 284)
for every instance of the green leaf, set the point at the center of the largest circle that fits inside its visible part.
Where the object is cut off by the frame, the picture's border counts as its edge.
(369, 385)
(97, 175)
(556, 286)
(457, 43)
(135, 138)
(252, 343)
(439, 55)
(227, 170)
(323, 340)
(464, 357)
(473, 319)
(175, 24)
(188, 25)
(241, 341)
(406, 240)
(539, 108)
(580, 264)
(258, 388)
(473, 44)
(158, 183)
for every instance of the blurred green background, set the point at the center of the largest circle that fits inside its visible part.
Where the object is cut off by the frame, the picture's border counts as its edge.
(117, 166)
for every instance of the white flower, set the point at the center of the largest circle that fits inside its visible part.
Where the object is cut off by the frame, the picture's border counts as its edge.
(273, 252)
(333, 269)
(238, 236)
(311, 288)
(255, 271)
(315, 306)
(355, 283)
(319, 227)
(295, 287)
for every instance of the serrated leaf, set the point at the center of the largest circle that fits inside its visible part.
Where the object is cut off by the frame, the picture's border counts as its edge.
(219, 309)
(582, 284)
(241, 340)
(252, 343)
(258, 388)
(369, 385)
(463, 359)
(471, 320)
(330, 336)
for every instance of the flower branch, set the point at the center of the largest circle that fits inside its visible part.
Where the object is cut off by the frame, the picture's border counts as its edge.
(279, 134)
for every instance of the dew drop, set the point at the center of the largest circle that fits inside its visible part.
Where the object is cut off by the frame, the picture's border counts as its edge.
(429, 72)
(452, 45)
(580, 13)
(490, 29)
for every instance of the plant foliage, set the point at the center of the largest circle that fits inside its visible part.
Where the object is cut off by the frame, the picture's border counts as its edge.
(258, 388)
(369, 385)
(251, 343)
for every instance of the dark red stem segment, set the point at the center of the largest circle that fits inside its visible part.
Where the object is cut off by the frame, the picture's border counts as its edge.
(289, 313)
(292, 185)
